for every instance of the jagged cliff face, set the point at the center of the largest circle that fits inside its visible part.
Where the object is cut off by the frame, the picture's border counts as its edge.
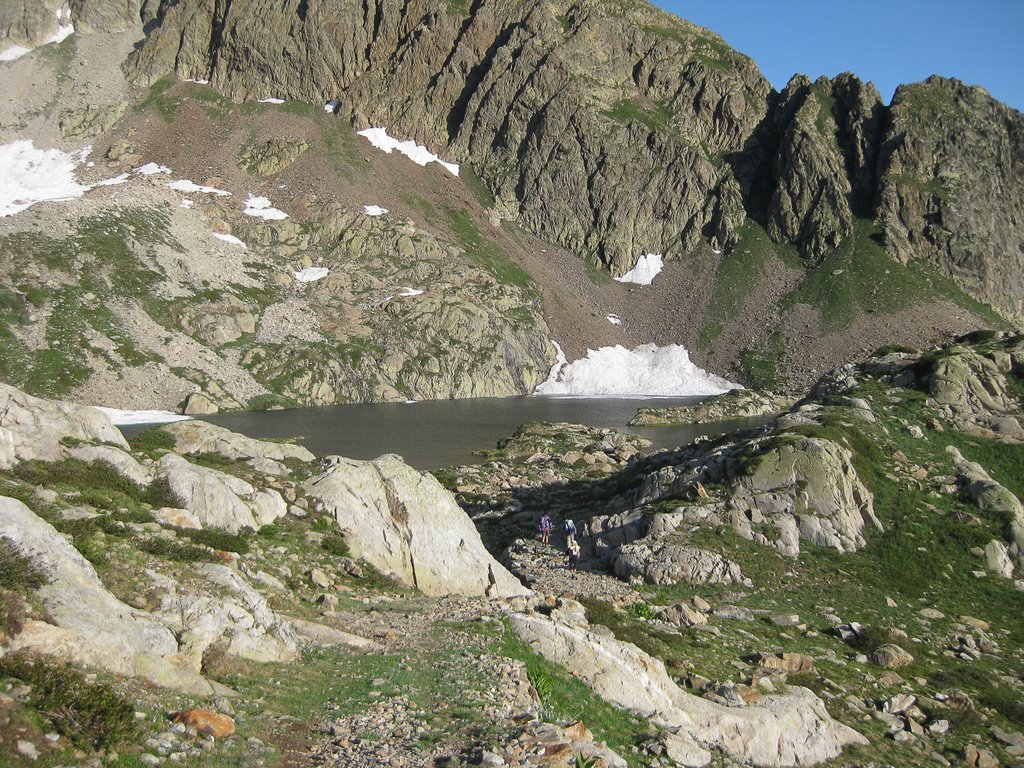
(615, 129)
(602, 125)
(952, 187)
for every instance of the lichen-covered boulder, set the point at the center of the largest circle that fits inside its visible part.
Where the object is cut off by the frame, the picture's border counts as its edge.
(656, 560)
(33, 428)
(408, 525)
(218, 499)
(809, 487)
(85, 622)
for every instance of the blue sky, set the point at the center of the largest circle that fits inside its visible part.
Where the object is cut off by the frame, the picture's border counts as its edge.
(888, 42)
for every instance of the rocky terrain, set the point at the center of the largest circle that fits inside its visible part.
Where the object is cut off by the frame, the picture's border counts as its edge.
(208, 225)
(840, 586)
(800, 227)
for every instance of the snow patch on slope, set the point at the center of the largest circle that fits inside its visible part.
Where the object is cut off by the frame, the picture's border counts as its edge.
(311, 274)
(29, 175)
(122, 418)
(415, 152)
(647, 371)
(261, 208)
(645, 270)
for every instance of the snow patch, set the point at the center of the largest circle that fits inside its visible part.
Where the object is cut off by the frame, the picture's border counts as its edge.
(311, 274)
(415, 152)
(14, 52)
(229, 239)
(29, 175)
(184, 185)
(64, 26)
(374, 210)
(647, 371)
(270, 100)
(150, 168)
(261, 208)
(186, 203)
(332, 106)
(645, 270)
(196, 80)
(405, 292)
(614, 319)
(122, 418)
(122, 179)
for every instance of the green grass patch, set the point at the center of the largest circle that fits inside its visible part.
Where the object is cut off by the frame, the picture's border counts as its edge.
(17, 572)
(654, 115)
(151, 440)
(159, 99)
(869, 280)
(483, 251)
(566, 699)
(98, 484)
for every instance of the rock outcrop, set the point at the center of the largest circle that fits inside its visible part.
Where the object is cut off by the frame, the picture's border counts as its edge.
(794, 729)
(734, 404)
(33, 428)
(86, 623)
(950, 186)
(218, 499)
(808, 489)
(540, 98)
(407, 525)
(198, 437)
(656, 560)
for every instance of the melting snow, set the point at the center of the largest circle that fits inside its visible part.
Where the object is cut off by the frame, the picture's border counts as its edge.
(14, 52)
(270, 100)
(195, 80)
(311, 274)
(64, 26)
(122, 179)
(646, 269)
(150, 168)
(29, 175)
(614, 319)
(184, 185)
(121, 417)
(415, 152)
(186, 204)
(374, 210)
(229, 239)
(647, 371)
(261, 208)
(410, 292)
(332, 105)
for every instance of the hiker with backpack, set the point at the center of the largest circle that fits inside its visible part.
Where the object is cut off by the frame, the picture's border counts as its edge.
(545, 528)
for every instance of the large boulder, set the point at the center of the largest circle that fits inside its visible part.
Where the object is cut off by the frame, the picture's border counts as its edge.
(218, 499)
(809, 488)
(33, 428)
(408, 525)
(794, 729)
(195, 437)
(657, 560)
(225, 611)
(85, 622)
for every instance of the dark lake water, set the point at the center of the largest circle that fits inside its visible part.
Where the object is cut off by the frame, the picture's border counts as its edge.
(441, 433)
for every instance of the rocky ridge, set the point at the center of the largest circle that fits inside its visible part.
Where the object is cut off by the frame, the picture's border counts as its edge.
(506, 90)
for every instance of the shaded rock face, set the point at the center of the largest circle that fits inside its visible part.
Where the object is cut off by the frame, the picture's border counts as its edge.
(615, 103)
(951, 186)
(33, 428)
(407, 524)
(785, 730)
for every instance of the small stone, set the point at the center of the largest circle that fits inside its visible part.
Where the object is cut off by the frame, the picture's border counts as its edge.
(148, 759)
(931, 613)
(890, 656)
(938, 727)
(27, 749)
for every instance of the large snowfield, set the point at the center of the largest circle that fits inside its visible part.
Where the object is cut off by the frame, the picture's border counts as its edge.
(647, 371)
(121, 418)
(29, 175)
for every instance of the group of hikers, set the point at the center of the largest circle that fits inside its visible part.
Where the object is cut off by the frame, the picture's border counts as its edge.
(572, 547)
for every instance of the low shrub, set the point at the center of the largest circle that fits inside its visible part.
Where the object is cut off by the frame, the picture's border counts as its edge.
(16, 571)
(91, 715)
